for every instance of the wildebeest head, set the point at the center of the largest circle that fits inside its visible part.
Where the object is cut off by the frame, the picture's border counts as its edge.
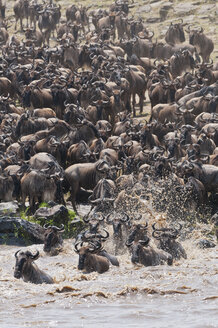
(52, 237)
(117, 223)
(195, 35)
(84, 251)
(138, 232)
(23, 260)
(102, 168)
(166, 236)
(137, 249)
(175, 33)
(94, 223)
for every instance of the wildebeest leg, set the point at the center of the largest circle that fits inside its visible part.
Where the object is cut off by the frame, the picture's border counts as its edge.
(141, 99)
(23, 198)
(133, 104)
(32, 203)
(15, 24)
(73, 201)
(21, 24)
(90, 210)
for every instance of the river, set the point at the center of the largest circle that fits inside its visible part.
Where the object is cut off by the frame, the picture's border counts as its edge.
(182, 295)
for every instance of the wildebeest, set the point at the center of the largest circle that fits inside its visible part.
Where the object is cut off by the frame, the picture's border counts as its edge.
(144, 254)
(52, 239)
(37, 185)
(6, 187)
(21, 10)
(25, 268)
(166, 238)
(91, 262)
(118, 222)
(85, 175)
(175, 33)
(203, 44)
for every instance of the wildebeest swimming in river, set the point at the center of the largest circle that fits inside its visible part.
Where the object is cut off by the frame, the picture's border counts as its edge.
(25, 268)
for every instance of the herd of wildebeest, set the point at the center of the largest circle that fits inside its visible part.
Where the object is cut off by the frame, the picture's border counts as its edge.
(70, 87)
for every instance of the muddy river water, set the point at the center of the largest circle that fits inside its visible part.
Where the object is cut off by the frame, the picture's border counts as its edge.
(182, 295)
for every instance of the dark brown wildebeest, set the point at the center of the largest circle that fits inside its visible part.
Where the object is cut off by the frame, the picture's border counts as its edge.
(166, 238)
(33, 36)
(85, 175)
(38, 186)
(6, 187)
(118, 222)
(21, 11)
(89, 261)
(181, 62)
(37, 98)
(203, 44)
(6, 87)
(53, 241)
(44, 112)
(138, 85)
(137, 232)
(104, 191)
(3, 35)
(25, 268)
(147, 255)
(78, 153)
(175, 33)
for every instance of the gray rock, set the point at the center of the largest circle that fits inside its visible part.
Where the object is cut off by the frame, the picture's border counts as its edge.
(204, 9)
(184, 8)
(8, 208)
(16, 231)
(58, 214)
(205, 243)
(144, 9)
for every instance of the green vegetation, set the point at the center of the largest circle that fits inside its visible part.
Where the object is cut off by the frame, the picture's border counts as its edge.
(71, 228)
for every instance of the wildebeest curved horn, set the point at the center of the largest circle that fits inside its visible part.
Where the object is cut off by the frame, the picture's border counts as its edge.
(86, 220)
(151, 36)
(76, 246)
(16, 253)
(46, 226)
(201, 30)
(188, 31)
(129, 244)
(6, 98)
(96, 201)
(179, 228)
(156, 234)
(102, 217)
(144, 242)
(107, 234)
(109, 221)
(153, 226)
(125, 218)
(61, 229)
(95, 247)
(65, 103)
(146, 225)
(34, 257)
(92, 55)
